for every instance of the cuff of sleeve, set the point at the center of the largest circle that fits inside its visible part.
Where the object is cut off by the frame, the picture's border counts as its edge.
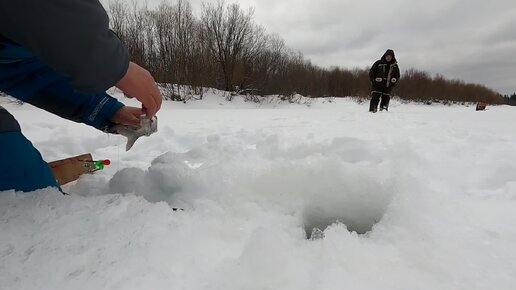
(101, 113)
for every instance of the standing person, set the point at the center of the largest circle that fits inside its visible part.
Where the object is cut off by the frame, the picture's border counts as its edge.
(61, 56)
(384, 75)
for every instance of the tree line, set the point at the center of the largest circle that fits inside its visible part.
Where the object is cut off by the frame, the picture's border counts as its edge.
(224, 48)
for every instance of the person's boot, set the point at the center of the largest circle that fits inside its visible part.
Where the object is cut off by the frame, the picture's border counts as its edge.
(384, 105)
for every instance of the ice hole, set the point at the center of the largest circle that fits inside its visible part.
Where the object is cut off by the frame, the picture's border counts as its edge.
(317, 220)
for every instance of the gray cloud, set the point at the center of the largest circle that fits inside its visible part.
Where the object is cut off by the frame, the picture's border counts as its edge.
(469, 40)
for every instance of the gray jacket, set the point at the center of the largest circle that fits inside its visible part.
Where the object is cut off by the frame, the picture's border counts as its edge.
(71, 36)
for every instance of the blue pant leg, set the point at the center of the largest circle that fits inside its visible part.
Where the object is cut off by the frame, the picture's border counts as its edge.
(21, 166)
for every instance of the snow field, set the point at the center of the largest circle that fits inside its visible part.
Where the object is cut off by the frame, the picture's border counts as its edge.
(430, 189)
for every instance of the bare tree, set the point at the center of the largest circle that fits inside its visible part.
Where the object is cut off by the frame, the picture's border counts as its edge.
(230, 32)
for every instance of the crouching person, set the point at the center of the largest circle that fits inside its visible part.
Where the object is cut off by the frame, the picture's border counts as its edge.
(63, 65)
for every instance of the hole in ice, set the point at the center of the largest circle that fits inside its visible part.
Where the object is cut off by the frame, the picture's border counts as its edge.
(360, 220)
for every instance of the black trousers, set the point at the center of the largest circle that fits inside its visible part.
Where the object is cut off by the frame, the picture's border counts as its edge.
(375, 99)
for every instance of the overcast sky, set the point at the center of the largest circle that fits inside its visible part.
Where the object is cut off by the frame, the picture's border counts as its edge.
(471, 40)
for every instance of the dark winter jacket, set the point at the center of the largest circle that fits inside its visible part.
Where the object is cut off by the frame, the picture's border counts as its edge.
(71, 36)
(384, 76)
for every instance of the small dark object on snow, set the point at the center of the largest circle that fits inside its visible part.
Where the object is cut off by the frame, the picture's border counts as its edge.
(481, 106)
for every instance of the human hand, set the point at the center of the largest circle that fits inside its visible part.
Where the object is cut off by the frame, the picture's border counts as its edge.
(138, 83)
(128, 116)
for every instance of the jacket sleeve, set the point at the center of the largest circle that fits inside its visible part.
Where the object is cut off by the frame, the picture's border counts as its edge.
(93, 109)
(397, 73)
(373, 71)
(71, 36)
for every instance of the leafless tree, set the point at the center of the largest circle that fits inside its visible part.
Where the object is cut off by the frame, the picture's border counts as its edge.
(230, 37)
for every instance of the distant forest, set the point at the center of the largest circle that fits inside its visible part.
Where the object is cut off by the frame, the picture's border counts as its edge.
(224, 48)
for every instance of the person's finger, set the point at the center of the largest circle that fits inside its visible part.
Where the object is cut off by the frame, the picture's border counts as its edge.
(157, 96)
(157, 101)
(128, 116)
(150, 107)
(154, 98)
(133, 121)
(136, 114)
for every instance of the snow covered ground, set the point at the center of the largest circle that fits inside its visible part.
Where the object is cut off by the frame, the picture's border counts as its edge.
(432, 187)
